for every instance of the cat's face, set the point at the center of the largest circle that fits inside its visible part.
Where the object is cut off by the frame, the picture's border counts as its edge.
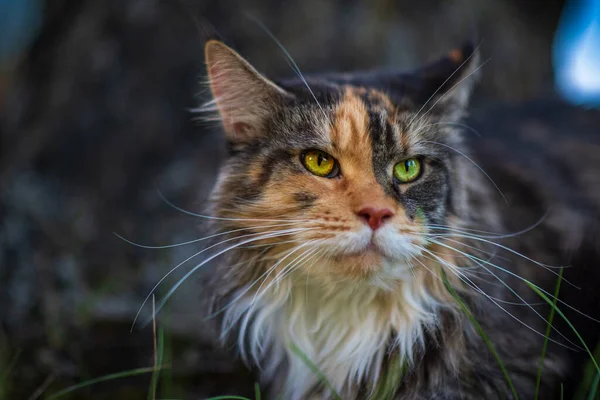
(353, 173)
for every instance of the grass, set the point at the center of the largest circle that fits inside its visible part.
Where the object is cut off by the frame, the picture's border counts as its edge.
(158, 344)
(389, 384)
(315, 370)
(547, 335)
(563, 316)
(481, 333)
(591, 377)
(105, 378)
(5, 374)
(162, 379)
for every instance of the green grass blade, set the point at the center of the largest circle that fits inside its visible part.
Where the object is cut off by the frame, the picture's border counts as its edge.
(315, 370)
(547, 336)
(157, 362)
(594, 387)
(109, 377)
(4, 375)
(564, 317)
(591, 378)
(390, 382)
(256, 391)
(480, 331)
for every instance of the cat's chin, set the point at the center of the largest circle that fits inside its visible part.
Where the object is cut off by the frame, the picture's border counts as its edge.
(360, 265)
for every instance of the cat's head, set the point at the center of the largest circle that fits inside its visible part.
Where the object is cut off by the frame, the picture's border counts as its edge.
(353, 170)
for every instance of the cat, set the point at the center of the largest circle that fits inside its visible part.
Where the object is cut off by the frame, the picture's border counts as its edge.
(377, 248)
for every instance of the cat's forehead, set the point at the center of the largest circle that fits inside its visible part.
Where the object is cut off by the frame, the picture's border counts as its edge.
(348, 120)
(359, 114)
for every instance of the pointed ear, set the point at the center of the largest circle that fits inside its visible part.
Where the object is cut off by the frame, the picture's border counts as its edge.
(447, 83)
(244, 98)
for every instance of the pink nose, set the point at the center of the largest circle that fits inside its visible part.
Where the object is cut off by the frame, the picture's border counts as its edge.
(375, 217)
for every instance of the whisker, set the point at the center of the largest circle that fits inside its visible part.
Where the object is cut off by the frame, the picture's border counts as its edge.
(260, 237)
(170, 204)
(168, 246)
(492, 235)
(224, 308)
(293, 64)
(517, 295)
(529, 283)
(316, 256)
(548, 268)
(442, 85)
(271, 269)
(459, 273)
(249, 314)
(187, 275)
(509, 313)
(452, 88)
(474, 163)
(492, 255)
(469, 128)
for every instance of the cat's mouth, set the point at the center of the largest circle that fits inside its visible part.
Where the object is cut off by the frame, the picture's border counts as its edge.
(370, 251)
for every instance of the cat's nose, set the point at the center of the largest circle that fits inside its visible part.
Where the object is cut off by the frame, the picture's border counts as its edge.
(375, 217)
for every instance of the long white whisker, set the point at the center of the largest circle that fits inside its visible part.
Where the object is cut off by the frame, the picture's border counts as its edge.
(278, 264)
(249, 313)
(187, 275)
(529, 283)
(421, 128)
(452, 88)
(292, 62)
(260, 237)
(492, 255)
(546, 267)
(474, 163)
(510, 314)
(517, 295)
(442, 85)
(491, 235)
(461, 275)
(224, 308)
(170, 204)
(169, 246)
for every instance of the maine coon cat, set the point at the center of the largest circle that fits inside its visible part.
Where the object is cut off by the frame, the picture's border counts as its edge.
(359, 217)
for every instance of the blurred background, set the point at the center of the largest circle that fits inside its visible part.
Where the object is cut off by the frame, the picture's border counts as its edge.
(94, 117)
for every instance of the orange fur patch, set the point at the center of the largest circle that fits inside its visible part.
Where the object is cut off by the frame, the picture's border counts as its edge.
(456, 56)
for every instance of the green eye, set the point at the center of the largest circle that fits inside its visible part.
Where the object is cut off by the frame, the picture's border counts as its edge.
(408, 170)
(319, 163)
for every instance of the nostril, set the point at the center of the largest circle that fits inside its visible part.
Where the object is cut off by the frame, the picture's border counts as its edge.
(364, 215)
(385, 217)
(375, 217)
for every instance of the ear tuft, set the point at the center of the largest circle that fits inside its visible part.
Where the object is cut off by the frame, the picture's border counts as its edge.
(449, 81)
(244, 98)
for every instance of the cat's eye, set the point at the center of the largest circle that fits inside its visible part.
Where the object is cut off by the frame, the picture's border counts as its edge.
(319, 163)
(408, 170)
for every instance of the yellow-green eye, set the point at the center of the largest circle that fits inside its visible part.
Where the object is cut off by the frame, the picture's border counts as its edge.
(319, 163)
(408, 170)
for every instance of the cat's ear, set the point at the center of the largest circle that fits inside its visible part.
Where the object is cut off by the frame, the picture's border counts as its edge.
(243, 97)
(446, 84)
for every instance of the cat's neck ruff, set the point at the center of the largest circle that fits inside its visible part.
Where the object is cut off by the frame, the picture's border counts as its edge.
(344, 328)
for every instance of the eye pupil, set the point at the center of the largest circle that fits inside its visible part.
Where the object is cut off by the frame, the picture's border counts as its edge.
(319, 163)
(408, 170)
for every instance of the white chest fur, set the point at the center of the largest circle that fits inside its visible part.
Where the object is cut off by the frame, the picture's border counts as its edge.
(345, 330)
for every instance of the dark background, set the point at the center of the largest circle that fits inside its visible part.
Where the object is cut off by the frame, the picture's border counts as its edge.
(94, 117)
